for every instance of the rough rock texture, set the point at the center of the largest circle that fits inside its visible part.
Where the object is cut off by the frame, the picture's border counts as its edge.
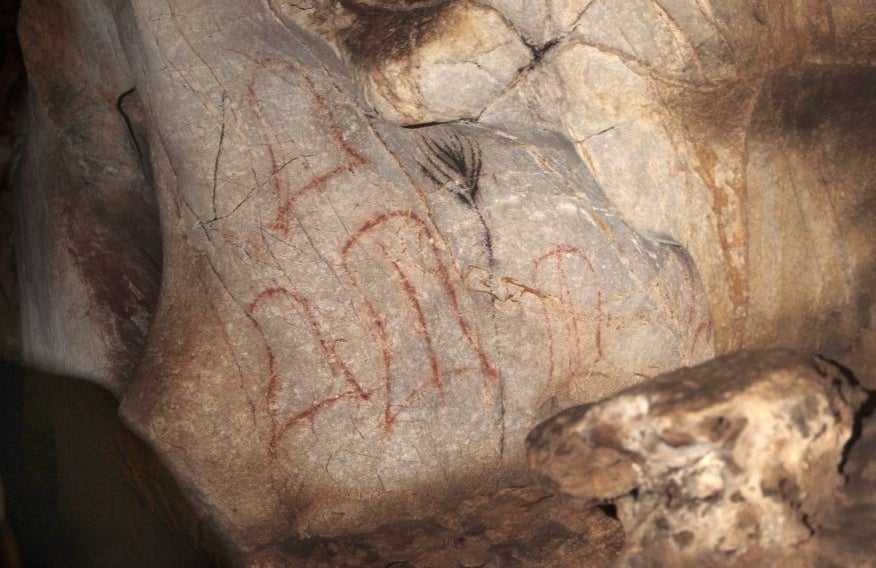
(467, 56)
(514, 528)
(542, 22)
(359, 322)
(420, 62)
(741, 130)
(735, 461)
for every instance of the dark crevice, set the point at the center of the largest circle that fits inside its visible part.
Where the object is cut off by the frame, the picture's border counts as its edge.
(436, 123)
(610, 509)
(120, 108)
(216, 167)
(863, 412)
(539, 51)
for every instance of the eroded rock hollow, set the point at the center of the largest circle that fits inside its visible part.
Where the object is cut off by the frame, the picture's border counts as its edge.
(336, 259)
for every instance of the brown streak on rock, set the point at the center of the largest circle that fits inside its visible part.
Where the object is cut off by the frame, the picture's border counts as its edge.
(728, 204)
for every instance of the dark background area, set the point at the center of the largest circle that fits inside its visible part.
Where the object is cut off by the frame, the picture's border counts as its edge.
(13, 87)
(71, 501)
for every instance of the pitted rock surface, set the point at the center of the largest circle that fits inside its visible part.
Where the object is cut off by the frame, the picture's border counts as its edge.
(733, 461)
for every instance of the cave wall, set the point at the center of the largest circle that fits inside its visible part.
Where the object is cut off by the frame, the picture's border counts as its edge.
(339, 258)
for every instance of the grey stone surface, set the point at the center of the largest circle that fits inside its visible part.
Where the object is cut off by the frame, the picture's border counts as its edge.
(735, 461)
(721, 126)
(358, 322)
(352, 312)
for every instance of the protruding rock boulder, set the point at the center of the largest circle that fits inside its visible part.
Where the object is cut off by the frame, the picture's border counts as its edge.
(434, 63)
(732, 461)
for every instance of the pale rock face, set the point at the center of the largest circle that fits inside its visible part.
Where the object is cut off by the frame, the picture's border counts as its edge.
(542, 22)
(466, 59)
(733, 461)
(359, 322)
(698, 120)
(351, 311)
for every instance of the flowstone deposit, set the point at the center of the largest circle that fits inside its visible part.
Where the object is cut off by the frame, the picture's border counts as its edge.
(735, 461)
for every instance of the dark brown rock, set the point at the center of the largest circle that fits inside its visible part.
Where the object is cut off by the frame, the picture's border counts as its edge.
(513, 528)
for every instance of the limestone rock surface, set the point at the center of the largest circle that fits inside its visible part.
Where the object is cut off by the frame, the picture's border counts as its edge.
(542, 22)
(88, 243)
(740, 131)
(455, 59)
(359, 322)
(732, 462)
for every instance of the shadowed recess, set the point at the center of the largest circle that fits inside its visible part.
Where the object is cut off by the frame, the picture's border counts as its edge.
(385, 30)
